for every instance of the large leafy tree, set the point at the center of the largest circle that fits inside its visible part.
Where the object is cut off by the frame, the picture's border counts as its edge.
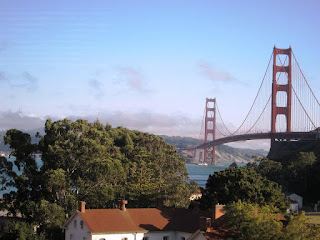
(297, 173)
(20, 231)
(249, 221)
(26, 179)
(93, 163)
(299, 227)
(236, 183)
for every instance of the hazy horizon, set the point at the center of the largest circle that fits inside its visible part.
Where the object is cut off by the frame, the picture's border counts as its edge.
(146, 65)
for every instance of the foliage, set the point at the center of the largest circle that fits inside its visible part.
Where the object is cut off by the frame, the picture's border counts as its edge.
(20, 231)
(300, 228)
(250, 222)
(298, 174)
(181, 142)
(27, 179)
(240, 183)
(270, 169)
(93, 163)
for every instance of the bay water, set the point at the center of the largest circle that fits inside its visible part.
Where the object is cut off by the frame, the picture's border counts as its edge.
(200, 173)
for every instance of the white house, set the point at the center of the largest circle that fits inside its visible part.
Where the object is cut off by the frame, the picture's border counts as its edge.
(137, 224)
(294, 206)
(297, 198)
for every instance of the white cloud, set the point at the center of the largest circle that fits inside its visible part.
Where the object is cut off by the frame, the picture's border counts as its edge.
(97, 87)
(214, 75)
(159, 124)
(25, 81)
(11, 119)
(132, 79)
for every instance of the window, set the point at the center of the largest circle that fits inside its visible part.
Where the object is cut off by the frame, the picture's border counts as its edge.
(81, 224)
(166, 238)
(75, 223)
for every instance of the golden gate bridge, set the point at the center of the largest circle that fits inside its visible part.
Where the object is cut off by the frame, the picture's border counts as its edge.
(285, 108)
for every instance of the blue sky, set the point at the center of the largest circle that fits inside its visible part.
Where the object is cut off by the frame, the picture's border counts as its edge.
(147, 65)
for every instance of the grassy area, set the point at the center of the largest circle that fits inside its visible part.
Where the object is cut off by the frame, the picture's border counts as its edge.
(315, 219)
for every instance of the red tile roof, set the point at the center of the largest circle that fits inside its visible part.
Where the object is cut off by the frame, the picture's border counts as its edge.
(142, 219)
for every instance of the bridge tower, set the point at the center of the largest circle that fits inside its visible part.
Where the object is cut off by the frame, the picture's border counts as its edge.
(287, 88)
(210, 130)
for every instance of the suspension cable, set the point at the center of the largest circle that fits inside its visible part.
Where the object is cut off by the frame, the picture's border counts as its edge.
(221, 132)
(305, 78)
(255, 97)
(222, 120)
(303, 107)
(269, 97)
(199, 139)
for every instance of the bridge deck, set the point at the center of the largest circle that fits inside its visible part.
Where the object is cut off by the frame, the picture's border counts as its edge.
(269, 135)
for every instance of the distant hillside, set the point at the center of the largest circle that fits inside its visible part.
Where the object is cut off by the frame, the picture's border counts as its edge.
(224, 154)
(181, 142)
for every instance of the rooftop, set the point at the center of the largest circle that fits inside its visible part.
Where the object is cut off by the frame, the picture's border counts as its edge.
(144, 219)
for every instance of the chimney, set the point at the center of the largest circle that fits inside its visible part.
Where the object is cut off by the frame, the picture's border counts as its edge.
(123, 205)
(81, 206)
(218, 211)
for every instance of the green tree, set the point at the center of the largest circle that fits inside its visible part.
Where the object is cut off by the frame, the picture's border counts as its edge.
(298, 165)
(251, 222)
(20, 231)
(300, 228)
(236, 183)
(50, 218)
(93, 163)
(179, 194)
(272, 170)
(295, 173)
(6, 174)
(144, 185)
(27, 180)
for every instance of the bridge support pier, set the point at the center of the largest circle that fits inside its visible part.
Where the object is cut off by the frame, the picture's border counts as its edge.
(276, 87)
(210, 131)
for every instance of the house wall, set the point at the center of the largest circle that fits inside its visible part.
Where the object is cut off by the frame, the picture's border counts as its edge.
(294, 207)
(197, 236)
(173, 235)
(117, 236)
(297, 198)
(76, 232)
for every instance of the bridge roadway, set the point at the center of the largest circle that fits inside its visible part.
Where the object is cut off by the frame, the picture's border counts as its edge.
(313, 135)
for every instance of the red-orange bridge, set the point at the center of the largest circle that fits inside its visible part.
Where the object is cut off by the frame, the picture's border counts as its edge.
(285, 108)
